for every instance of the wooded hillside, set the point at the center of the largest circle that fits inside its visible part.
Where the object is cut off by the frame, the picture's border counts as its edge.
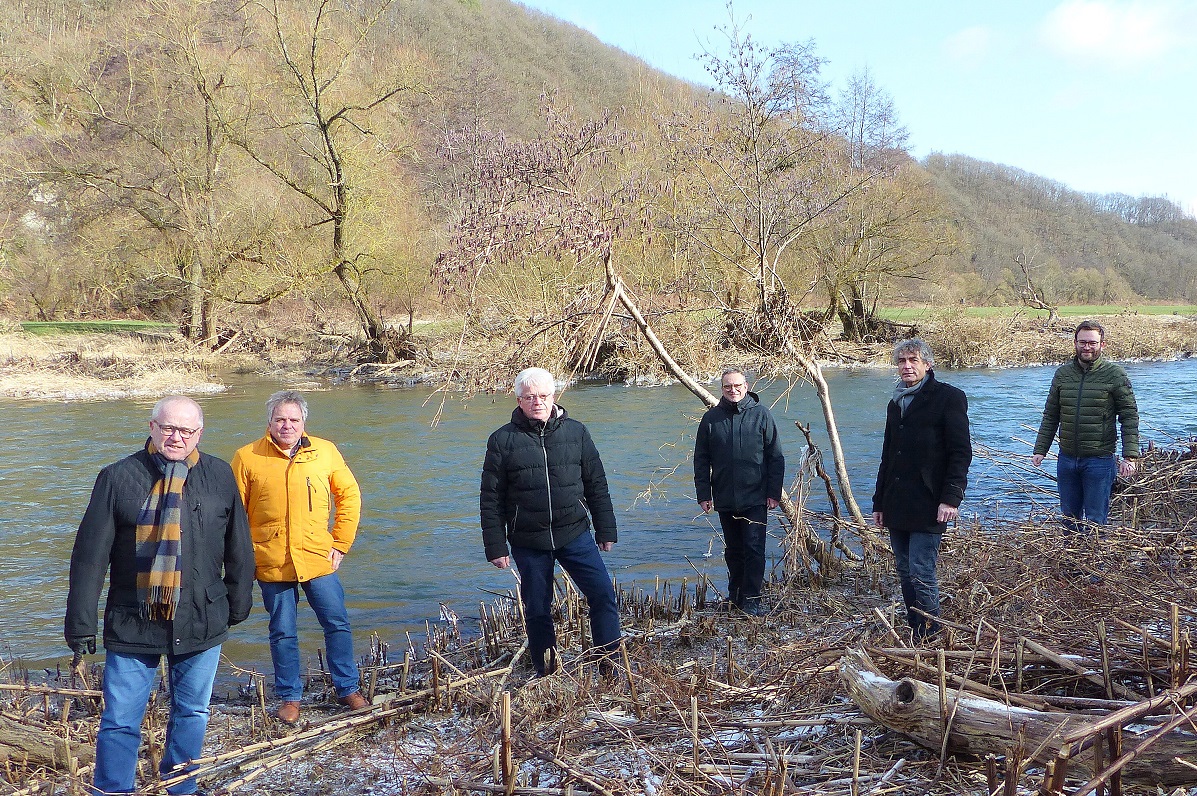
(349, 165)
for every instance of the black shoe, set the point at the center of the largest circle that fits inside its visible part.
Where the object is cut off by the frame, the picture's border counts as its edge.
(755, 608)
(548, 664)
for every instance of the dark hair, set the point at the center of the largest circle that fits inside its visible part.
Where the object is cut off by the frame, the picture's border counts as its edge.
(1090, 326)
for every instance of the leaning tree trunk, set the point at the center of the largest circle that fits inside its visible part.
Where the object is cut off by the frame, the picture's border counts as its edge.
(818, 547)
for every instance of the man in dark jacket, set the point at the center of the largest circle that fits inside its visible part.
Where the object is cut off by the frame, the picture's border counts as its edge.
(924, 471)
(541, 478)
(738, 471)
(1088, 393)
(167, 526)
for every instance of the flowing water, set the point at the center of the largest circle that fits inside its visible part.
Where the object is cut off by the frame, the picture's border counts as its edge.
(419, 543)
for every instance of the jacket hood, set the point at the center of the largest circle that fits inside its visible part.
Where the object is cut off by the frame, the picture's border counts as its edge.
(750, 400)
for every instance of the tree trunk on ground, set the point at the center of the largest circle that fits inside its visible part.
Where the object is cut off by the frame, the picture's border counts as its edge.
(22, 744)
(980, 726)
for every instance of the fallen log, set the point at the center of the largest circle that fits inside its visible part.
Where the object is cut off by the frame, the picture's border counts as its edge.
(979, 726)
(25, 745)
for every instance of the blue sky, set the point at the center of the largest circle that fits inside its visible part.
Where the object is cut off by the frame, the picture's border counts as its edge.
(1100, 95)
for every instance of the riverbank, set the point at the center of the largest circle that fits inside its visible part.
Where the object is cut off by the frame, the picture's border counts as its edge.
(712, 702)
(82, 367)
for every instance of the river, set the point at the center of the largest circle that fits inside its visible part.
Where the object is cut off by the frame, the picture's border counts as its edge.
(419, 543)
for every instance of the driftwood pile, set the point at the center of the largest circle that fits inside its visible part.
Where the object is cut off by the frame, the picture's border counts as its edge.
(1064, 668)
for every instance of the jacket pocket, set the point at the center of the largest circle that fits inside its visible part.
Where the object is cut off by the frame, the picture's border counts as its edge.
(216, 609)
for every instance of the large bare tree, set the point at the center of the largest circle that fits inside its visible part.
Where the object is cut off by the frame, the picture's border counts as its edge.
(321, 117)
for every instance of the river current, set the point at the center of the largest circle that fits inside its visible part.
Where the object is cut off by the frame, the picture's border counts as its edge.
(419, 544)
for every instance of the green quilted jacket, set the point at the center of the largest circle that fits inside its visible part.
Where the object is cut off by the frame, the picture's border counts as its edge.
(1083, 406)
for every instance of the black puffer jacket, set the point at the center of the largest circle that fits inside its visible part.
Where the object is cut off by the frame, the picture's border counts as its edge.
(925, 458)
(539, 481)
(217, 558)
(738, 461)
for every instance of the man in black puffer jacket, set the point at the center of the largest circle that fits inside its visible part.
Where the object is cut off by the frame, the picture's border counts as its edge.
(167, 527)
(923, 474)
(738, 471)
(542, 485)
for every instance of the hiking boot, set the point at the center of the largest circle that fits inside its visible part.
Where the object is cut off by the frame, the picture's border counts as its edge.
(548, 664)
(755, 608)
(288, 712)
(354, 701)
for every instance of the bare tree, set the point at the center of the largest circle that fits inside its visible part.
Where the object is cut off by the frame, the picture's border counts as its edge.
(1033, 295)
(561, 194)
(311, 121)
(139, 150)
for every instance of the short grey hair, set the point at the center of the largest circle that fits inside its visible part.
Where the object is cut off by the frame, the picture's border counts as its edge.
(167, 400)
(285, 397)
(916, 345)
(727, 371)
(533, 377)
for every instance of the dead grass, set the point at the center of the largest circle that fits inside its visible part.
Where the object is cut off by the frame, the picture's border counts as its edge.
(711, 702)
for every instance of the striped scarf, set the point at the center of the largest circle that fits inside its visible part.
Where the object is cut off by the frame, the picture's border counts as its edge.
(159, 538)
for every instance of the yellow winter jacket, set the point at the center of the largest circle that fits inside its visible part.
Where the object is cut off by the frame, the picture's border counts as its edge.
(289, 502)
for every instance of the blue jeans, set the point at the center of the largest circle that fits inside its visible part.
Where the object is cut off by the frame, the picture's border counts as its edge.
(744, 552)
(1085, 485)
(327, 598)
(915, 556)
(128, 679)
(582, 560)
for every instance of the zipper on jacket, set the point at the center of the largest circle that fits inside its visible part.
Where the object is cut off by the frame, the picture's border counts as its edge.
(309, 493)
(548, 486)
(1076, 420)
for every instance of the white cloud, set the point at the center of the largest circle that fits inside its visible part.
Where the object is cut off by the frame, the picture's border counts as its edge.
(968, 46)
(1117, 31)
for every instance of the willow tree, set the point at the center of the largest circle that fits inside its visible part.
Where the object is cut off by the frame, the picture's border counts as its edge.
(132, 143)
(320, 115)
(567, 194)
(764, 170)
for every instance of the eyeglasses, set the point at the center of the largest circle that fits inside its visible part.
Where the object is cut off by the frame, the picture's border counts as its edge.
(1088, 343)
(532, 398)
(733, 387)
(170, 431)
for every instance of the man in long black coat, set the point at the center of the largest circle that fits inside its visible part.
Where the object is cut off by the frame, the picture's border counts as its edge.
(922, 478)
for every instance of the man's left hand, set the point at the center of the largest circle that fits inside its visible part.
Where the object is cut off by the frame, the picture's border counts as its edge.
(771, 503)
(335, 556)
(1127, 467)
(946, 513)
(606, 546)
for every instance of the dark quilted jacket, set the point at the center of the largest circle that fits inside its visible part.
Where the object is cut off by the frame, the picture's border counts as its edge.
(218, 560)
(539, 481)
(1083, 405)
(738, 461)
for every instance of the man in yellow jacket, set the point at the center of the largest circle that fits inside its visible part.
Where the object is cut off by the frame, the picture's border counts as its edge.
(291, 484)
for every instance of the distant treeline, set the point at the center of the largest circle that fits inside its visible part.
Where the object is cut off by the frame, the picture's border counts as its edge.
(219, 164)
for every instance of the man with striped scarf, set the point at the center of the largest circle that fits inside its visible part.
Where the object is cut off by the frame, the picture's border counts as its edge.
(167, 526)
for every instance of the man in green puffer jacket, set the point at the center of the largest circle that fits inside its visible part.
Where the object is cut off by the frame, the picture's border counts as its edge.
(1088, 394)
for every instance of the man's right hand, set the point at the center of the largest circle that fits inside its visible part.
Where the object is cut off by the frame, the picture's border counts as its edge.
(878, 519)
(82, 645)
(1037, 459)
(501, 563)
(706, 506)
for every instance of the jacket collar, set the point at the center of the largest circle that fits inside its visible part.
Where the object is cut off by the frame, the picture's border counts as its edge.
(749, 400)
(525, 423)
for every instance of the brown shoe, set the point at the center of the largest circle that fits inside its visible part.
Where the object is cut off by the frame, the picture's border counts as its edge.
(354, 701)
(288, 712)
